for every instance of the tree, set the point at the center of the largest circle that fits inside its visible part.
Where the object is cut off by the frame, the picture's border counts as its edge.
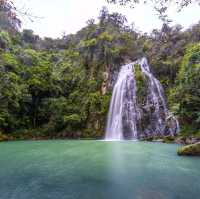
(165, 49)
(161, 6)
(11, 92)
(186, 94)
(29, 37)
(5, 40)
(8, 16)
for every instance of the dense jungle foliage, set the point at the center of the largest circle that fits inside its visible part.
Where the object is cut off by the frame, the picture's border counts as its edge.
(62, 87)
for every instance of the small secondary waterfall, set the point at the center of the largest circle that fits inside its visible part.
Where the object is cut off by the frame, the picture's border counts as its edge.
(125, 114)
(156, 98)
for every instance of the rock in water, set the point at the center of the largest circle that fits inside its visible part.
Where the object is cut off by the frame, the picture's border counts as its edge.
(190, 150)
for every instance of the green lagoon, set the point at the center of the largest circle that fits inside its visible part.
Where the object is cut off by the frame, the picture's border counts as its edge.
(96, 170)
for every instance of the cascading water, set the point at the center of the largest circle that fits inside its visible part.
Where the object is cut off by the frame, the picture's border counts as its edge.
(125, 114)
(123, 106)
(156, 99)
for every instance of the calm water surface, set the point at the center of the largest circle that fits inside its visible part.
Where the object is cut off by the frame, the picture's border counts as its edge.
(96, 170)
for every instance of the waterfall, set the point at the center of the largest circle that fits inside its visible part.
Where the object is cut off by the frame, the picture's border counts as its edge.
(157, 99)
(123, 106)
(125, 114)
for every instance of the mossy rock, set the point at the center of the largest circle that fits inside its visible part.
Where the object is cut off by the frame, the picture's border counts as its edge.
(168, 139)
(157, 138)
(190, 150)
(3, 137)
(148, 139)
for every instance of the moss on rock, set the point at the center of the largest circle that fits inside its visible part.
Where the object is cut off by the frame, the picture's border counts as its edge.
(168, 139)
(190, 150)
(4, 137)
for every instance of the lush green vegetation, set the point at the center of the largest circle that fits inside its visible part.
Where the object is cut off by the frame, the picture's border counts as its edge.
(186, 93)
(61, 87)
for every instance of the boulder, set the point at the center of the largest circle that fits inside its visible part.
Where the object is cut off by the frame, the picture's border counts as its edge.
(187, 140)
(190, 150)
(4, 137)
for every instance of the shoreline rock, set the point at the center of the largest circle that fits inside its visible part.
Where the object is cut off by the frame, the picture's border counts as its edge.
(189, 150)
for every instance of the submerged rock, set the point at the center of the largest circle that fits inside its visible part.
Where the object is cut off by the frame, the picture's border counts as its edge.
(190, 150)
